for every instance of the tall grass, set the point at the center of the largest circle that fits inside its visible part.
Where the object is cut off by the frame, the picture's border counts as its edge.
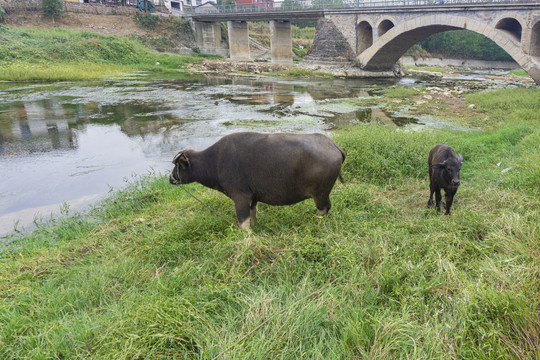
(153, 275)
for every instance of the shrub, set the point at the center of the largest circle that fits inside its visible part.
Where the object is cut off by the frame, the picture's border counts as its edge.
(299, 52)
(183, 26)
(52, 8)
(2, 13)
(146, 21)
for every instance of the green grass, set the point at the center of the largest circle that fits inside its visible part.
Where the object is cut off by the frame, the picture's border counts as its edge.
(60, 54)
(57, 72)
(152, 274)
(519, 72)
(426, 68)
(400, 92)
(297, 72)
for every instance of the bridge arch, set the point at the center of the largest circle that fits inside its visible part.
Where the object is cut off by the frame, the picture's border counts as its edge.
(384, 26)
(387, 50)
(364, 36)
(510, 25)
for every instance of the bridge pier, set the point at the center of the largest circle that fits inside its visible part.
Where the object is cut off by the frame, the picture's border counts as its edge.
(281, 42)
(208, 38)
(238, 40)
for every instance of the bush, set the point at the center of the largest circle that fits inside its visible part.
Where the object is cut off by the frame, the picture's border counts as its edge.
(2, 13)
(183, 26)
(52, 8)
(299, 52)
(146, 21)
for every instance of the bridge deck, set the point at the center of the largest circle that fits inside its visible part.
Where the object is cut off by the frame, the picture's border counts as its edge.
(304, 10)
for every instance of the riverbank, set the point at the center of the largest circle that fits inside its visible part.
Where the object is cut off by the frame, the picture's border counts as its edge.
(150, 273)
(61, 54)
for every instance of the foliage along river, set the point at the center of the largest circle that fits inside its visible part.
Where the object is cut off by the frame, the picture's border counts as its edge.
(65, 145)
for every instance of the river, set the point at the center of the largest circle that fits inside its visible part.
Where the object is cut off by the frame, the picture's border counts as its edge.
(66, 145)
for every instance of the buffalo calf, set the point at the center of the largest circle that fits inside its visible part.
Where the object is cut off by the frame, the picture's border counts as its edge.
(444, 166)
(276, 169)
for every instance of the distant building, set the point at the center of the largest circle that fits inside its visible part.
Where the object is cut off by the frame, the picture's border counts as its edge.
(254, 4)
(181, 5)
(207, 7)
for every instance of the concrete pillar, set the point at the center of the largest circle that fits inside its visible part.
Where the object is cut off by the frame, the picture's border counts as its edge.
(208, 37)
(238, 40)
(281, 42)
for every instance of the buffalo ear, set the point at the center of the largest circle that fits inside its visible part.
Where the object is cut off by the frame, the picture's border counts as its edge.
(460, 158)
(182, 160)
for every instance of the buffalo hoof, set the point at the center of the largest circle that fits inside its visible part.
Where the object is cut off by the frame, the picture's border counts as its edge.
(244, 225)
(443, 205)
(322, 212)
(430, 204)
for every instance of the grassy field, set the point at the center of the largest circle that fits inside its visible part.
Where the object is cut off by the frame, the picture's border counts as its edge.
(150, 274)
(61, 54)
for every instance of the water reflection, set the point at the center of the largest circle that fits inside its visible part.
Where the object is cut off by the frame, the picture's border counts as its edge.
(69, 142)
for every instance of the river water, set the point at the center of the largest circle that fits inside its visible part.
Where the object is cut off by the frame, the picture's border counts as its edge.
(66, 145)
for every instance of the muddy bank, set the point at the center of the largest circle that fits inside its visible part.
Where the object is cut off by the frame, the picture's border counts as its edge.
(472, 64)
(451, 76)
(227, 66)
(345, 70)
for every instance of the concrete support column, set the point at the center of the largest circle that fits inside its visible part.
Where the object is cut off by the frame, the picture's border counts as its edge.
(281, 42)
(208, 37)
(238, 40)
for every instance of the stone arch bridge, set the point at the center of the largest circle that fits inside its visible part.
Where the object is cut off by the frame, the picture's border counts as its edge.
(375, 35)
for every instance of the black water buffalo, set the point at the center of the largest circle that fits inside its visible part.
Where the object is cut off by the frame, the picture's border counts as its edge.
(444, 166)
(276, 169)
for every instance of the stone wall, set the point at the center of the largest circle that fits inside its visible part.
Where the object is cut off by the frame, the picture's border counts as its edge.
(98, 9)
(329, 44)
(19, 6)
(69, 6)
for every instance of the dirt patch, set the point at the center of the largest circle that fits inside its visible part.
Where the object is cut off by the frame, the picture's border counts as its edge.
(440, 100)
(118, 25)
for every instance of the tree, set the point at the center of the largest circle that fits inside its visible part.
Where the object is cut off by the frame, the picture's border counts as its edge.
(52, 8)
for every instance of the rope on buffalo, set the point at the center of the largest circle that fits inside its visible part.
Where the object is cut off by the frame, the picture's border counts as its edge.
(207, 206)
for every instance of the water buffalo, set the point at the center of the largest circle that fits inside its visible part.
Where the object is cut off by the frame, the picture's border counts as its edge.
(444, 166)
(276, 169)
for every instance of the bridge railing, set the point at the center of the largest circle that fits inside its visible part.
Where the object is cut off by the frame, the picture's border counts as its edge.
(302, 5)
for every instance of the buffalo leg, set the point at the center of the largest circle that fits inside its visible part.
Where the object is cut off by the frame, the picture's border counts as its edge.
(323, 204)
(438, 198)
(449, 201)
(242, 207)
(253, 212)
(430, 201)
